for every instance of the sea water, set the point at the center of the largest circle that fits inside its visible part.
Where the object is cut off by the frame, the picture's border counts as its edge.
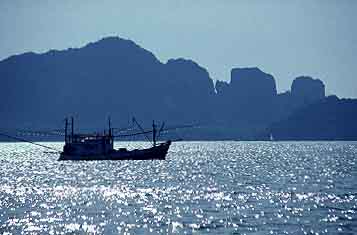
(202, 188)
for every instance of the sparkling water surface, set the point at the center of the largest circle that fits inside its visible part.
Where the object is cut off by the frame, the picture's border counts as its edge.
(202, 188)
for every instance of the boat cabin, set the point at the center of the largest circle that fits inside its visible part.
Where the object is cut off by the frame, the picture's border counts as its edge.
(88, 144)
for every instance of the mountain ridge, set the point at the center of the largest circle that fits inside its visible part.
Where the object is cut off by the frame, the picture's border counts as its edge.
(117, 77)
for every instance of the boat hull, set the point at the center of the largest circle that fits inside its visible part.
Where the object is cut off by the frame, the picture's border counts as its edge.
(158, 152)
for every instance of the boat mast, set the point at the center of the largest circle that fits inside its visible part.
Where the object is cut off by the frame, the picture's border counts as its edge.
(72, 127)
(153, 133)
(109, 126)
(65, 131)
(110, 129)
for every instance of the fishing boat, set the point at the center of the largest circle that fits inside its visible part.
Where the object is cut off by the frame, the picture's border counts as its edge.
(88, 147)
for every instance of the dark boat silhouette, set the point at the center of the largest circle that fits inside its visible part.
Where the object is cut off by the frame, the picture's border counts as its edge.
(101, 147)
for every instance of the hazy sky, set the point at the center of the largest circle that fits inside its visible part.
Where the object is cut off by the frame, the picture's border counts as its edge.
(283, 38)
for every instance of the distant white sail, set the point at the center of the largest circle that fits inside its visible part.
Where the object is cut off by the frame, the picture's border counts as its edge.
(271, 137)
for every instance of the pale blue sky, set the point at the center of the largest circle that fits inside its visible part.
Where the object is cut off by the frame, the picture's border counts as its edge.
(284, 38)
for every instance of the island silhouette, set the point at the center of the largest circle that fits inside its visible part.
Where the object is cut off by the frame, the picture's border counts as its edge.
(118, 78)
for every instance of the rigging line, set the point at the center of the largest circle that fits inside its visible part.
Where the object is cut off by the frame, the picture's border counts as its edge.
(23, 140)
(22, 133)
(34, 132)
(124, 129)
(181, 127)
(134, 121)
(138, 133)
(178, 137)
(125, 132)
(121, 129)
(162, 127)
(41, 130)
